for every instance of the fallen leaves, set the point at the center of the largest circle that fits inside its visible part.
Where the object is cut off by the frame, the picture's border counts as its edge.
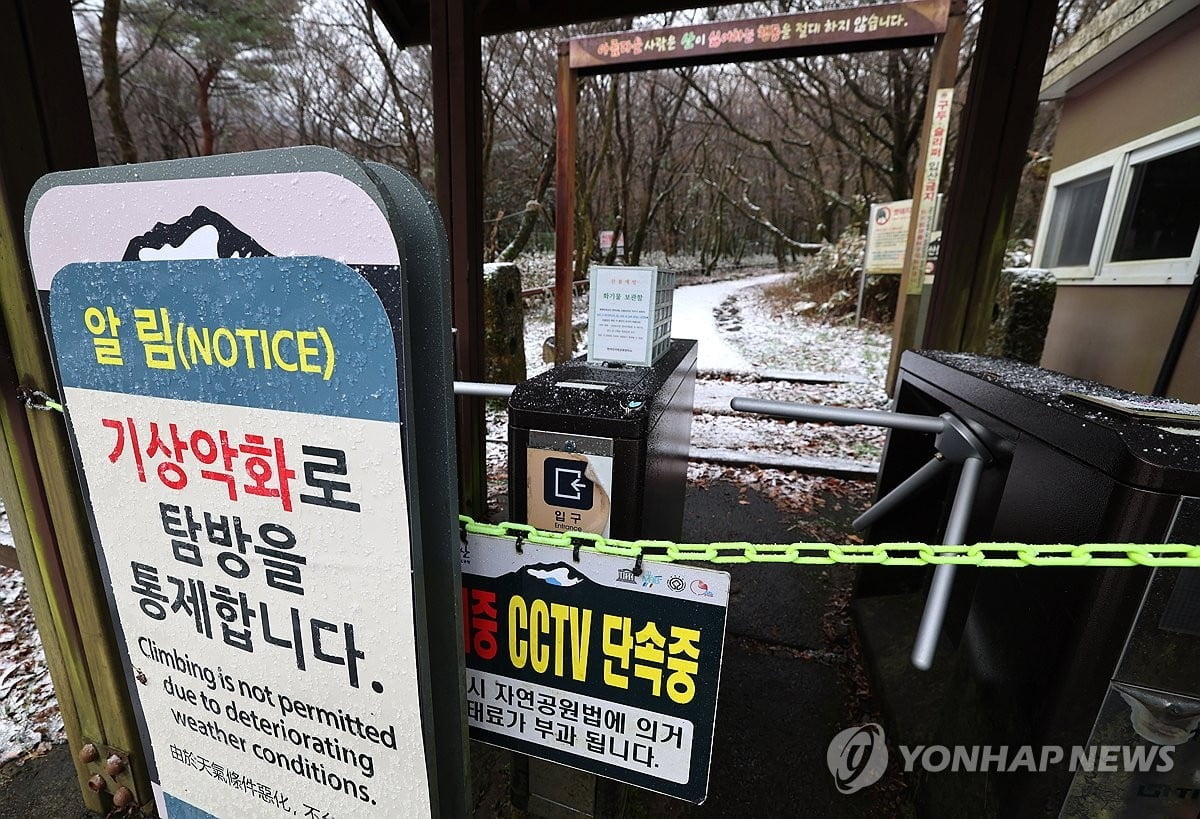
(30, 722)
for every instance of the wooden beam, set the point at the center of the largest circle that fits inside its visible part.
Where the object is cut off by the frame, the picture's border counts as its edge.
(457, 127)
(566, 127)
(408, 20)
(942, 75)
(1014, 37)
(45, 125)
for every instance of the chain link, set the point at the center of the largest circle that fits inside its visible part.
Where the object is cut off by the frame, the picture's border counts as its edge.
(988, 555)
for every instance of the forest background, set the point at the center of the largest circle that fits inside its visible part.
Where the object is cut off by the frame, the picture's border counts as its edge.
(697, 167)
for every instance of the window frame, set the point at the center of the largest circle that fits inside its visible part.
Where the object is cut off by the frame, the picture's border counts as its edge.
(1100, 269)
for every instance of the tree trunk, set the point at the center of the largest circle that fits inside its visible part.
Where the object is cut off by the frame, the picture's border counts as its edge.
(111, 70)
(204, 82)
(585, 225)
(533, 209)
(664, 136)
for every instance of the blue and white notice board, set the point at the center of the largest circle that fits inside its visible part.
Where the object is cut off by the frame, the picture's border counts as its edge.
(238, 429)
(254, 354)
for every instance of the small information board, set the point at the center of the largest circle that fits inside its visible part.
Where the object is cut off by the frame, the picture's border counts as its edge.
(600, 663)
(887, 236)
(629, 314)
(238, 428)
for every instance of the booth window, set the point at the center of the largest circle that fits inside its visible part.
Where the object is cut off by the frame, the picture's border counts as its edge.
(1128, 216)
(1162, 209)
(1077, 208)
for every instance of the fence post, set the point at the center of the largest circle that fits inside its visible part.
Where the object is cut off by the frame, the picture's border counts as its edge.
(45, 125)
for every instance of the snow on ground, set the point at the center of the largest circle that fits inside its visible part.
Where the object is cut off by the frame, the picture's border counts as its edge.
(694, 316)
(789, 342)
(740, 336)
(29, 717)
(767, 340)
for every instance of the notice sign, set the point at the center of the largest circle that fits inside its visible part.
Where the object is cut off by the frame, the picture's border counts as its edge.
(600, 664)
(621, 314)
(569, 491)
(239, 433)
(935, 152)
(887, 236)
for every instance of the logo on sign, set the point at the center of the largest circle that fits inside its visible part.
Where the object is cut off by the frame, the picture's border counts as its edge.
(882, 216)
(566, 485)
(699, 587)
(857, 757)
(626, 576)
(676, 583)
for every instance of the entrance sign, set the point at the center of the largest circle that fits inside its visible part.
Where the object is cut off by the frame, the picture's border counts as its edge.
(570, 482)
(855, 28)
(599, 663)
(238, 428)
(887, 236)
(759, 37)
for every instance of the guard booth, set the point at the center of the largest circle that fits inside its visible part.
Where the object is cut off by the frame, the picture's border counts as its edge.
(1052, 656)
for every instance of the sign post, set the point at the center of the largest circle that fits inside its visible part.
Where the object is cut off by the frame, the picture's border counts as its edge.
(934, 139)
(186, 220)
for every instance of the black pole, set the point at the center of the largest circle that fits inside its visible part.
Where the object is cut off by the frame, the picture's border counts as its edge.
(1186, 318)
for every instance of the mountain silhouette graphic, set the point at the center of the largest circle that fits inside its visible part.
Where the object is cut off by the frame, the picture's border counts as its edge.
(202, 234)
(555, 574)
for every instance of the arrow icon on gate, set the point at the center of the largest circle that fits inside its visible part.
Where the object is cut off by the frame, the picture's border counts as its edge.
(567, 485)
(578, 485)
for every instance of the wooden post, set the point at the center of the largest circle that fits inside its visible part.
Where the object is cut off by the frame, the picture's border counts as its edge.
(458, 125)
(566, 127)
(1014, 37)
(943, 72)
(45, 126)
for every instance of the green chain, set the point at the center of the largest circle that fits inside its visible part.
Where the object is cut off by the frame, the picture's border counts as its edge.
(990, 555)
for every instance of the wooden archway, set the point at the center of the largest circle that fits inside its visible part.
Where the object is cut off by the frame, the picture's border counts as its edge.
(852, 29)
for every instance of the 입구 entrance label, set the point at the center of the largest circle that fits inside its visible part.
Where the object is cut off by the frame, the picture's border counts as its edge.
(570, 482)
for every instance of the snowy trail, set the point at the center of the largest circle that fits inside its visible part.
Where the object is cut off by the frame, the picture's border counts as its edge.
(692, 317)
